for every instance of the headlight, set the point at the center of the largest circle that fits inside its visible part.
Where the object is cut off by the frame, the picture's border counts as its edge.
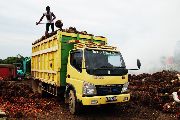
(125, 87)
(89, 89)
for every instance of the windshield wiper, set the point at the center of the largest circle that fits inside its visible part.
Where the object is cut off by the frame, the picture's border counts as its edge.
(108, 67)
(120, 67)
(105, 67)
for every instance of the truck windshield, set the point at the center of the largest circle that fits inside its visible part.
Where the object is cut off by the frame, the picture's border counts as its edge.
(103, 62)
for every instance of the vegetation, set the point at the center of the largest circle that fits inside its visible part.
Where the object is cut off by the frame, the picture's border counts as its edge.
(11, 60)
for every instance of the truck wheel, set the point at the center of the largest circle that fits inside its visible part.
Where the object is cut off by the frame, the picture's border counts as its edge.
(34, 86)
(74, 106)
(39, 88)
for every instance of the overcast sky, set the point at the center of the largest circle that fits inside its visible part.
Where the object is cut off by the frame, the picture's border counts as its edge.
(144, 29)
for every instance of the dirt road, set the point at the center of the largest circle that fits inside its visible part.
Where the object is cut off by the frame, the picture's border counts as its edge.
(120, 112)
(23, 104)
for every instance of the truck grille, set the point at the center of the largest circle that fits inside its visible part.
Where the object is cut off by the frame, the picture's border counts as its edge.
(103, 90)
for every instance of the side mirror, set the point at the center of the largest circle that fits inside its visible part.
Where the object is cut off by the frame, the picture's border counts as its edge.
(138, 63)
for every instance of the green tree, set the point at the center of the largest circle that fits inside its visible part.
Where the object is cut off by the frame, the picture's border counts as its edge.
(11, 60)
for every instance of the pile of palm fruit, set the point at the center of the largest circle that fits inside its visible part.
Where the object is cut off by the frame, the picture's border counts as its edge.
(155, 90)
(17, 100)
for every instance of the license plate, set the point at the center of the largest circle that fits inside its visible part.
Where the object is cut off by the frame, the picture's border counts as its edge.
(111, 99)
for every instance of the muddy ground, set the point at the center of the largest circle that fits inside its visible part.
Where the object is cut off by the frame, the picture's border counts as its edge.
(19, 102)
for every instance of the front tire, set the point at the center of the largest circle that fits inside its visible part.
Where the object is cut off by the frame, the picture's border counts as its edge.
(74, 106)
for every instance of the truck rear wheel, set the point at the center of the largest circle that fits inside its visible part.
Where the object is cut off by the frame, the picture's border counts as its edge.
(74, 106)
(34, 86)
(39, 88)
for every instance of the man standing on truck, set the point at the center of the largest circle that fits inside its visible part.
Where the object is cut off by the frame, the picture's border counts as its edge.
(50, 18)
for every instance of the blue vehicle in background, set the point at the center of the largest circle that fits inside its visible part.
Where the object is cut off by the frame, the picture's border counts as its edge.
(23, 68)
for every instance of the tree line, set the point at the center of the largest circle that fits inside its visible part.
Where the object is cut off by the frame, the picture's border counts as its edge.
(10, 60)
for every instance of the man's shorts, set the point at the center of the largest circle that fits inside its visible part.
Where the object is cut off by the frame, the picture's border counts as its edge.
(49, 24)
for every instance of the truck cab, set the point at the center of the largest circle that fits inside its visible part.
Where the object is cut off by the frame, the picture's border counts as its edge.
(96, 75)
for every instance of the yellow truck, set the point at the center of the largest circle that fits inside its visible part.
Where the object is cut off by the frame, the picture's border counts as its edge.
(82, 68)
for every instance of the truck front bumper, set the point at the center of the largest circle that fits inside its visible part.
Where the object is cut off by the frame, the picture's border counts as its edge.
(98, 100)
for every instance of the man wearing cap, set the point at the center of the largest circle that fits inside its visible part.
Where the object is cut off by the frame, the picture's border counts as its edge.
(50, 18)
